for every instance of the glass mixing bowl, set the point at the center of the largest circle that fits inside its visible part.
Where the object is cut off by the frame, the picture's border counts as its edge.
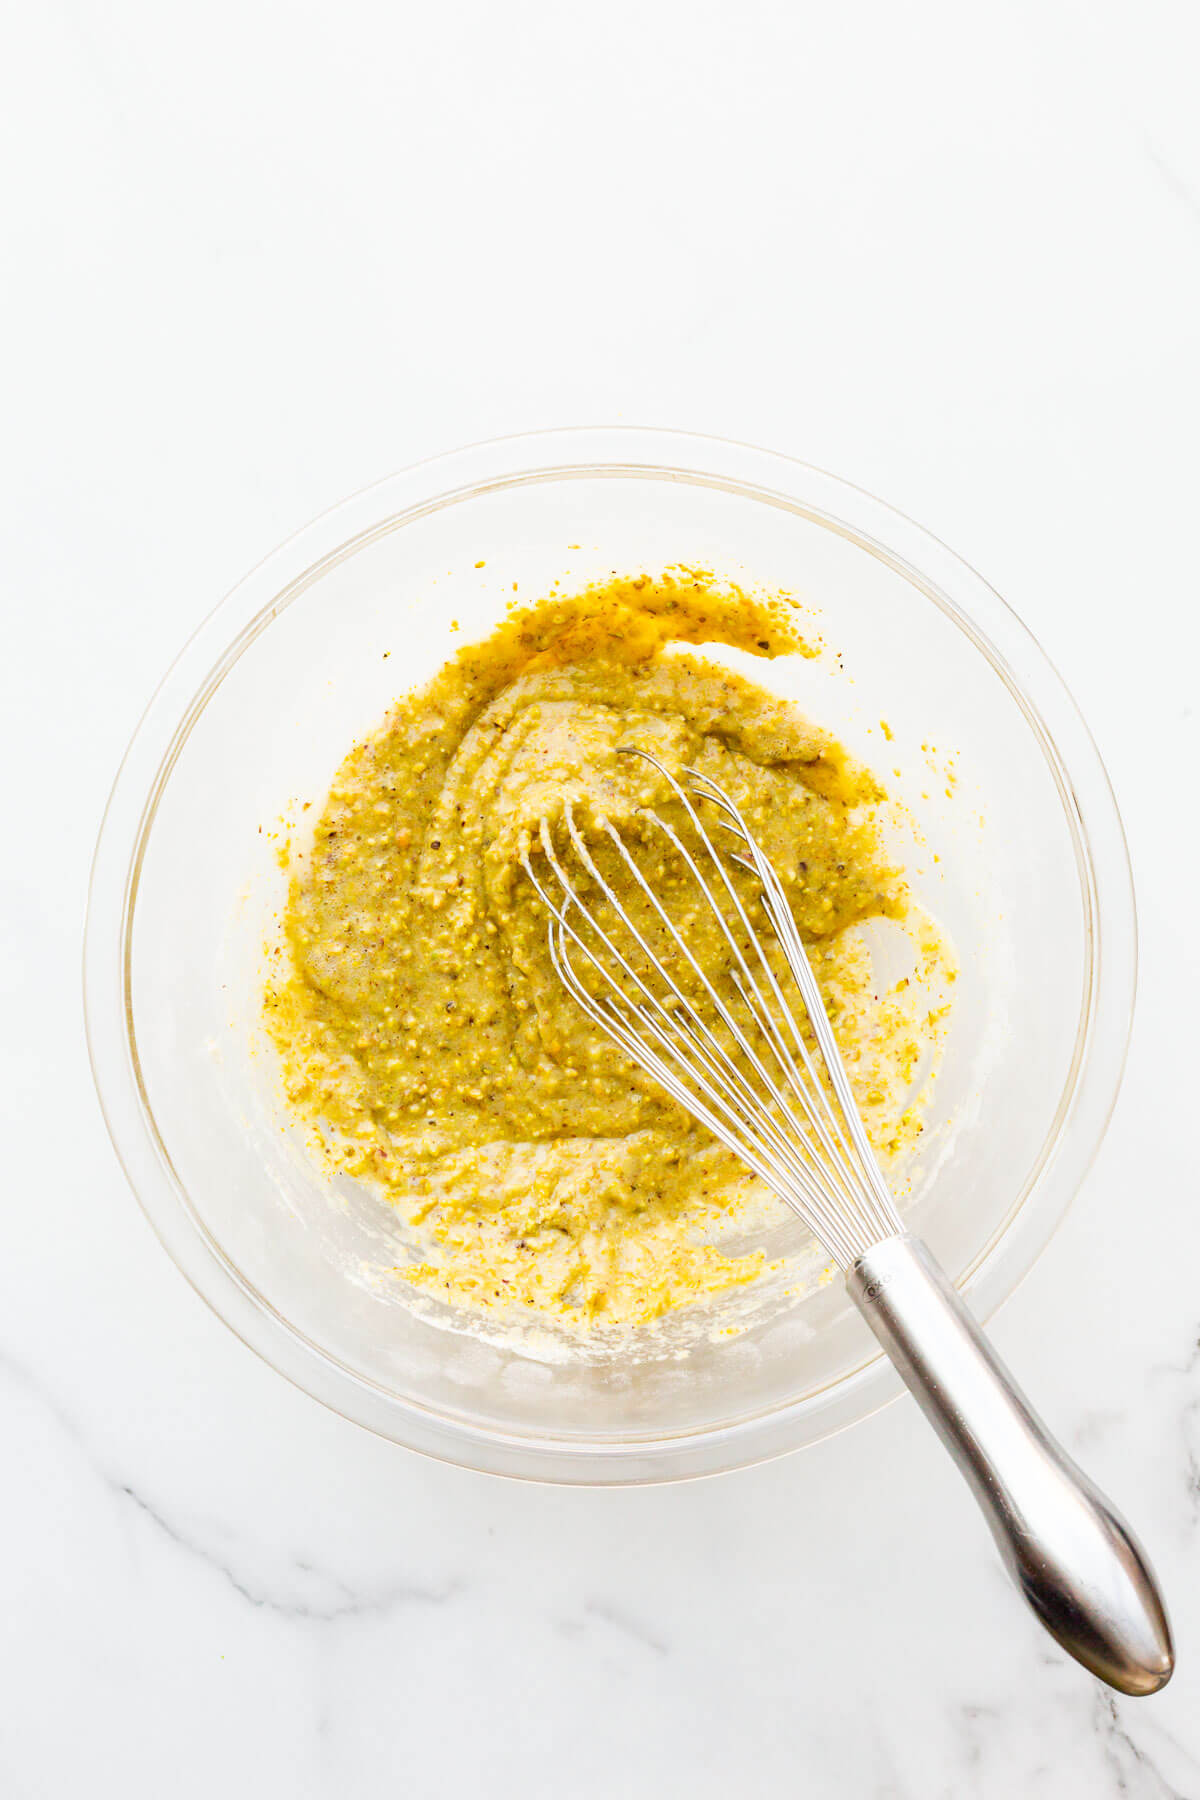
(1024, 862)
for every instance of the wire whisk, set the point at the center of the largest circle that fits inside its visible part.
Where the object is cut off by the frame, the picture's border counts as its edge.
(745, 1044)
(757, 1087)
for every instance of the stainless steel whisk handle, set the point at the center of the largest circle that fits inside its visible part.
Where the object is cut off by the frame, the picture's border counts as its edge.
(1075, 1560)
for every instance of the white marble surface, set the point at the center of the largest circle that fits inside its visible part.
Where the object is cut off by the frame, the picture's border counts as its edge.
(257, 255)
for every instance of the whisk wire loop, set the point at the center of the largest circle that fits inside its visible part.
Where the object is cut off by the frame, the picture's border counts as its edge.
(777, 1160)
(853, 1167)
(819, 1115)
(784, 926)
(759, 1091)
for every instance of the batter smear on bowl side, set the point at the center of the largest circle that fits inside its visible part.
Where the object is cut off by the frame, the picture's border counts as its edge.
(422, 1033)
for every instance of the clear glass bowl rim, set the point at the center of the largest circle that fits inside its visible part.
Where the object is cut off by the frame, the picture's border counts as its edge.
(573, 453)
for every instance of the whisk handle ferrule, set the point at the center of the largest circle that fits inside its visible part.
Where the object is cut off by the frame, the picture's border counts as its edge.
(1073, 1557)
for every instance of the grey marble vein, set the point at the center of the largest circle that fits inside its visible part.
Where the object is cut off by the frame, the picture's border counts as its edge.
(345, 1602)
(1188, 1423)
(351, 1605)
(1172, 180)
(1134, 1771)
(619, 1620)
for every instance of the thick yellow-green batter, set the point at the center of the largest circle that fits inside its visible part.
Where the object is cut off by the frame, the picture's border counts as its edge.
(420, 1027)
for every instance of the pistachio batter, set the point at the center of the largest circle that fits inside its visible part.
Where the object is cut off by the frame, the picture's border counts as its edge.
(421, 1029)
